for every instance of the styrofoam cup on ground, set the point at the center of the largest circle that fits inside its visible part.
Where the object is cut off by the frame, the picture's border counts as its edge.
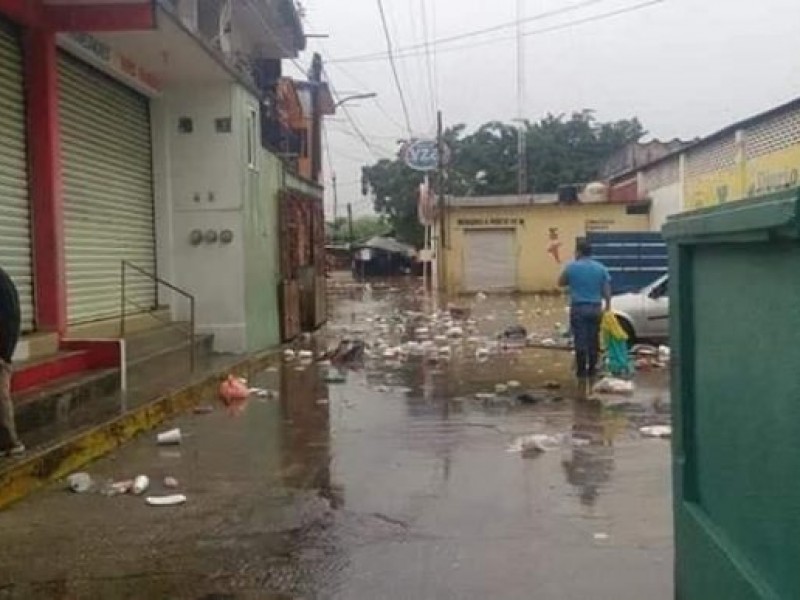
(170, 438)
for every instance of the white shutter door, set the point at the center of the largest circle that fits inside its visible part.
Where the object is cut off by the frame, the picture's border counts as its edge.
(108, 191)
(15, 223)
(489, 260)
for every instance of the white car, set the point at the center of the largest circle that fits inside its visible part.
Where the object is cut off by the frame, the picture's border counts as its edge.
(645, 314)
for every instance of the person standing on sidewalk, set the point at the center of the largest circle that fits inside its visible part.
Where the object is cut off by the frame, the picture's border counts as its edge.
(589, 284)
(9, 334)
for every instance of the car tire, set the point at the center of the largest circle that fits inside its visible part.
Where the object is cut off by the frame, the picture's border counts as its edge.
(626, 325)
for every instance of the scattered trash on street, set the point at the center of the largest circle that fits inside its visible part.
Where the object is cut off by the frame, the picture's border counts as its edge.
(233, 388)
(170, 438)
(173, 500)
(536, 442)
(79, 482)
(656, 431)
(612, 385)
(140, 484)
(170, 482)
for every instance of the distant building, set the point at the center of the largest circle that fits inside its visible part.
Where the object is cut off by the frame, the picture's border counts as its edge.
(757, 155)
(521, 243)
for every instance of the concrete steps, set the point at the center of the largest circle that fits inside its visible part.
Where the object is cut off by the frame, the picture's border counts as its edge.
(73, 386)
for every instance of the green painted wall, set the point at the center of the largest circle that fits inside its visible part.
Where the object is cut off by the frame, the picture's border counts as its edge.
(261, 253)
(735, 313)
(260, 184)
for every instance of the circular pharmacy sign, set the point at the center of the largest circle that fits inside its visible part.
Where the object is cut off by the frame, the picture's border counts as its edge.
(423, 155)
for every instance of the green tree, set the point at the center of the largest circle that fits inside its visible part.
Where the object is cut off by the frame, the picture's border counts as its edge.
(364, 228)
(560, 150)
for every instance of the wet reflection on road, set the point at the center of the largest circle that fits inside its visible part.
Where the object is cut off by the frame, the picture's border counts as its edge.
(395, 483)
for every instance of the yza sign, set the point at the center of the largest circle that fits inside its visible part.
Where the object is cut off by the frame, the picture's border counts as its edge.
(423, 155)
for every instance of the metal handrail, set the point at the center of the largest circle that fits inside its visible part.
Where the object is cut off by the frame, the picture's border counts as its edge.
(125, 301)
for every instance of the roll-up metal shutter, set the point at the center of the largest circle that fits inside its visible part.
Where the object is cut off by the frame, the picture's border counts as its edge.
(108, 191)
(15, 224)
(489, 260)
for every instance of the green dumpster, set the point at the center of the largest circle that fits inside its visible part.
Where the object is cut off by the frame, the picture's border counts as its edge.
(735, 302)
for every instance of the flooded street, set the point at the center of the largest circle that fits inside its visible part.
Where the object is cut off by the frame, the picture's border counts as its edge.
(396, 483)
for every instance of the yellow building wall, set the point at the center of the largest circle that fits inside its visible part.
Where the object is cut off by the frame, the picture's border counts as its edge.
(713, 188)
(545, 237)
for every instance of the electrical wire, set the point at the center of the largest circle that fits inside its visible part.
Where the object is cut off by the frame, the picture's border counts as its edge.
(353, 123)
(562, 26)
(477, 32)
(428, 60)
(393, 64)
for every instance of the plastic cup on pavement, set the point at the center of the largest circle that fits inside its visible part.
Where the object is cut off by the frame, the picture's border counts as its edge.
(170, 438)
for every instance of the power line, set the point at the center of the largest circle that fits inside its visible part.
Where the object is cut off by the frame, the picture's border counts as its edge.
(426, 36)
(567, 25)
(477, 32)
(393, 64)
(359, 133)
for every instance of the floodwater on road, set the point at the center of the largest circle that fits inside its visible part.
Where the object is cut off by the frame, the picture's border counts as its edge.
(397, 483)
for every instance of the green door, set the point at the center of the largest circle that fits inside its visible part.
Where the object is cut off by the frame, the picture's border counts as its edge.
(735, 302)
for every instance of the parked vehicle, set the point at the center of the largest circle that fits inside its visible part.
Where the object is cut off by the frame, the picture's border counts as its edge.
(645, 314)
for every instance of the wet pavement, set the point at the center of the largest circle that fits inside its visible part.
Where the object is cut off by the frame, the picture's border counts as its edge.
(397, 483)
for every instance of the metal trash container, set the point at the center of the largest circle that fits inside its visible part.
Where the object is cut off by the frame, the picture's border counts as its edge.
(735, 337)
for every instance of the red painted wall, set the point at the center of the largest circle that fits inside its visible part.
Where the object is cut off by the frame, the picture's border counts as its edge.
(45, 180)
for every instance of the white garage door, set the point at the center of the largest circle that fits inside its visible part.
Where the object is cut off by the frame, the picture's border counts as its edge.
(490, 263)
(15, 229)
(108, 191)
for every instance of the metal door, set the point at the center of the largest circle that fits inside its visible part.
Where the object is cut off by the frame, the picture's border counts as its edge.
(108, 191)
(490, 263)
(15, 225)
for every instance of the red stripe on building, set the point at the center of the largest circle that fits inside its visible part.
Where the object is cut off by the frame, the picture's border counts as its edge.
(41, 76)
(101, 17)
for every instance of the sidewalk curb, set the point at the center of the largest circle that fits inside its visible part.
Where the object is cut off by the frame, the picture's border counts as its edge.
(56, 462)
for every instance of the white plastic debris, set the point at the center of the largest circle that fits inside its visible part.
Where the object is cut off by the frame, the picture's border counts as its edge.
(440, 339)
(601, 537)
(537, 442)
(482, 352)
(455, 332)
(501, 388)
(656, 431)
(612, 385)
(140, 484)
(170, 482)
(305, 355)
(118, 488)
(420, 331)
(79, 482)
(289, 354)
(169, 438)
(173, 500)
(480, 296)
(485, 397)
(514, 385)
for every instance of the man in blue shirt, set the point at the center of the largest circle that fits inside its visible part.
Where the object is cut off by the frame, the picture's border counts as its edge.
(589, 284)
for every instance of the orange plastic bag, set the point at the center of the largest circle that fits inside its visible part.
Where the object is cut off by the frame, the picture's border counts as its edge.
(233, 388)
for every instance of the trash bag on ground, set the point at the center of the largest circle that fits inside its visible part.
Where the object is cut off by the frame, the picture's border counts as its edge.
(614, 340)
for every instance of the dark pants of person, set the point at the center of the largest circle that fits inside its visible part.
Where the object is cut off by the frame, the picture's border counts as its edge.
(8, 430)
(585, 320)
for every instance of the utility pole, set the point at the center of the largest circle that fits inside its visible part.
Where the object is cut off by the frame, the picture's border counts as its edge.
(442, 228)
(335, 202)
(350, 222)
(522, 147)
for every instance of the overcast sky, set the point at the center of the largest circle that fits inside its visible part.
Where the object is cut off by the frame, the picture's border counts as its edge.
(684, 67)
